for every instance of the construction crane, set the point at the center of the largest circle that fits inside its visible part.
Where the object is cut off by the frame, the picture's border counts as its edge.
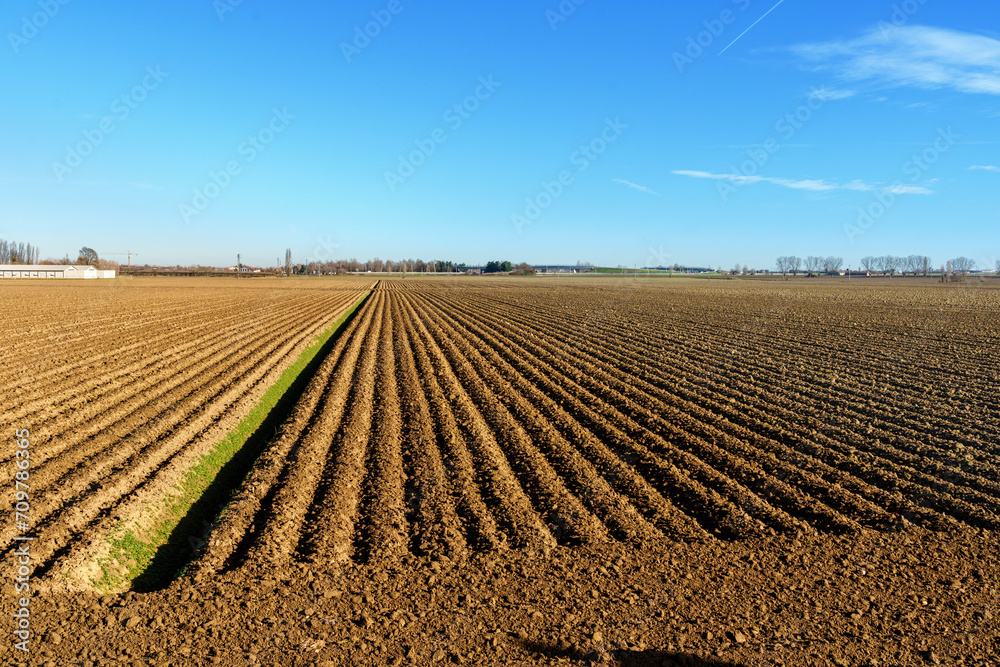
(127, 252)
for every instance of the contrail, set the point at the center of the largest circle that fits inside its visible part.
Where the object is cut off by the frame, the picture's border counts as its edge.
(751, 27)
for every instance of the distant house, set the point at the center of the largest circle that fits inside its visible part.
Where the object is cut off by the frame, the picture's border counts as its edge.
(65, 271)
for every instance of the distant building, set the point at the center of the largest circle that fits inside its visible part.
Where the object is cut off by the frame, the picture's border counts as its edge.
(560, 268)
(65, 271)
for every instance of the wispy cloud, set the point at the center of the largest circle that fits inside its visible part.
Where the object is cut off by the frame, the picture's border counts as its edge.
(814, 185)
(918, 56)
(986, 168)
(640, 188)
(826, 94)
(907, 190)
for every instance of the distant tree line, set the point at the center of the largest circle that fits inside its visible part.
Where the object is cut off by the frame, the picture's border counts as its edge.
(343, 266)
(811, 266)
(12, 252)
(917, 265)
(25, 253)
(505, 266)
(889, 265)
(498, 267)
(956, 269)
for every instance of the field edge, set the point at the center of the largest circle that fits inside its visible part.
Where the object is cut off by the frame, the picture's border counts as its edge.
(185, 519)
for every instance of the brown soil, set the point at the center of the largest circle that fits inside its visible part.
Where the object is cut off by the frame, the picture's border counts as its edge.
(133, 401)
(914, 598)
(591, 471)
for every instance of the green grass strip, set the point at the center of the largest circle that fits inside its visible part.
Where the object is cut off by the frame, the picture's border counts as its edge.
(162, 554)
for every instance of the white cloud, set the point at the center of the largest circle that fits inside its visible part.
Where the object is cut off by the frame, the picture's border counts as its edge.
(814, 185)
(986, 168)
(641, 188)
(826, 94)
(908, 190)
(916, 56)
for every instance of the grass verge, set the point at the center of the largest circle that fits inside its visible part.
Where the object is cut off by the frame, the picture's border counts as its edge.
(151, 561)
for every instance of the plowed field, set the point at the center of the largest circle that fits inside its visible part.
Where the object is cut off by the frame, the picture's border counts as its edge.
(125, 385)
(472, 419)
(563, 471)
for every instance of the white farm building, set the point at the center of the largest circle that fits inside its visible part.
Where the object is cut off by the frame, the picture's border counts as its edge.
(53, 271)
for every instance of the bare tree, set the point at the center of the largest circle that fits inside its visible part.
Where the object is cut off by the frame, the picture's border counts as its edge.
(892, 264)
(813, 264)
(998, 267)
(926, 264)
(914, 264)
(12, 252)
(784, 265)
(832, 265)
(795, 264)
(288, 261)
(962, 266)
(869, 264)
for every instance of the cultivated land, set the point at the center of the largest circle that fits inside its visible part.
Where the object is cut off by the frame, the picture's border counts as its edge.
(558, 470)
(125, 386)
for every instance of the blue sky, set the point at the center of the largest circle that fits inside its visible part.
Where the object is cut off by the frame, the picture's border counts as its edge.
(704, 133)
